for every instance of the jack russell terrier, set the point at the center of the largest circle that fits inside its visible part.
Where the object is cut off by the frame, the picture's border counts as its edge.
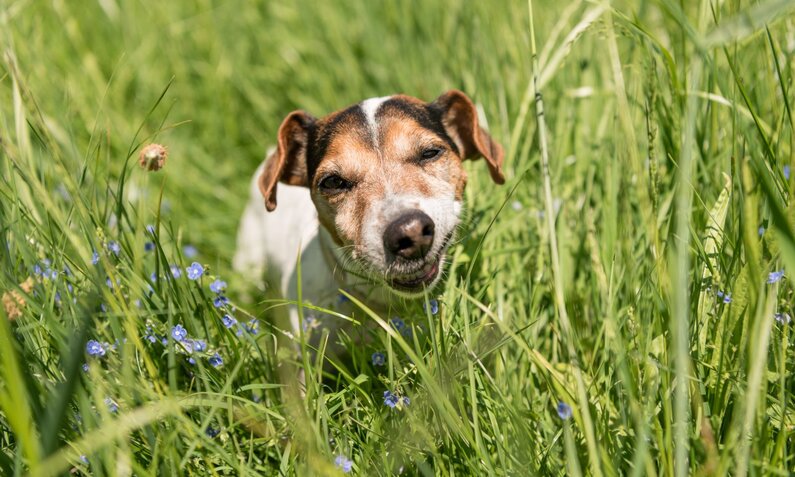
(385, 180)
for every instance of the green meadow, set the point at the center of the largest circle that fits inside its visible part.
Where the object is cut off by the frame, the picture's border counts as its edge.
(621, 306)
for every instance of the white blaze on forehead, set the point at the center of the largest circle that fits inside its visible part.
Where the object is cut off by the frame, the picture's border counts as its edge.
(370, 108)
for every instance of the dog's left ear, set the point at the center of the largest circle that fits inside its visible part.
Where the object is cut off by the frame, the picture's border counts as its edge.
(460, 121)
(288, 162)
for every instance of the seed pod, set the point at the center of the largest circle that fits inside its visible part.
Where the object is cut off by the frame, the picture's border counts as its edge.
(153, 157)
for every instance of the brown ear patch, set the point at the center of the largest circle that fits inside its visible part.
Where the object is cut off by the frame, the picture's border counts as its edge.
(288, 163)
(460, 120)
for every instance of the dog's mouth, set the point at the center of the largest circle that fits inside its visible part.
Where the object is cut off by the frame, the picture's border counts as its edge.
(423, 276)
(415, 282)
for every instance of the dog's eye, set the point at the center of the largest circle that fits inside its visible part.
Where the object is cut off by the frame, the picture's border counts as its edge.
(334, 184)
(429, 154)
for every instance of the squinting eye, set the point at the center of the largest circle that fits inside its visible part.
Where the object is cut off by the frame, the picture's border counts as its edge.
(334, 184)
(429, 154)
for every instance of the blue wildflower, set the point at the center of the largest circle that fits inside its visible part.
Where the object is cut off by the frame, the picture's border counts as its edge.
(149, 246)
(761, 230)
(151, 229)
(94, 258)
(774, 277)
(216, 360)
(151, 338)
(783, 318)
(342, 462)
(220, 301)
(37, 270)
(564, 410)
(199, 345)
(212, 432)
(195, 270)
(53, 274)
(95, 348)
(378, 358)
(786, 172)
(253, 326)
(176, 272)
(390, 399)
(103, 307)
(137, 303)
(153, 277)
(719, 294)
(397, 323)
(218, 286)
(109, 283)
(164, 341)
(434, 306)
(179, 332)
(728, 298)
(84, 459)
(191, 361)
(114, 247)
(190, 251)
(405, 401)
(228, 321)
(112, 406)
(85, 367)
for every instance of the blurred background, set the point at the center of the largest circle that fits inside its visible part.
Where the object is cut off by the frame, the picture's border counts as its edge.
(670, 137)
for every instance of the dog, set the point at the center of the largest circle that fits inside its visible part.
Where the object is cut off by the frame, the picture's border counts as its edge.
(369, 197)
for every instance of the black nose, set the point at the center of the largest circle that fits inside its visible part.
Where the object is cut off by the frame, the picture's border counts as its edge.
(410, 236)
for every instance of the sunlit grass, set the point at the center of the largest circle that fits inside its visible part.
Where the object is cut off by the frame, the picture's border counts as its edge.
(622, 272)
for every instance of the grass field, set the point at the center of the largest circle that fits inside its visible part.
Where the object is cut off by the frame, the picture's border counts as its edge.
(629, 281)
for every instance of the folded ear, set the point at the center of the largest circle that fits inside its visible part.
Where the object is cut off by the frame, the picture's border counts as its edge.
(288, 163)
(460, 121)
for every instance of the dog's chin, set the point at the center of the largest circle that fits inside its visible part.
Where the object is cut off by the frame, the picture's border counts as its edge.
(413, 285)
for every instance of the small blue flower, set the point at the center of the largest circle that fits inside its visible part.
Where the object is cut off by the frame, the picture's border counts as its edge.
(149, 246)
(786, 172)
(774, 277)
(94, 258)
(37, 270)
(253, 326)
(390, 399)
(564, 410)
(378, 358)
(434, 306)
(164, 341)
(189, 251)
(112, 406)
(728, 298)
(195, 270)
(397, 323)
(761, 230)
(179, 332)
(405, 401)
(84, 459)
(719, 294)
(342, 462)
(216, 360)
(53, 274)
(67, 271)
(212, 432)
(220, 301)
(137, 303)
(783, 318)
(153, 277)
(342, 299)
(95, 348)
(228, 321)
(218, 286)
(85, 367)
(191, 361)
(103, 307)
(199, 345)
(151, 338)
(151, 229)
(114, 247)
(109, 283)
(176, 272)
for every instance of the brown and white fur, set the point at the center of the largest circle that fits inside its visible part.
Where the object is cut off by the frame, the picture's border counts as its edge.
(370, 197)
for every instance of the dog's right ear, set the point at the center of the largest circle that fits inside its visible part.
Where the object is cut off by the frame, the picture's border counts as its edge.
(288, 163)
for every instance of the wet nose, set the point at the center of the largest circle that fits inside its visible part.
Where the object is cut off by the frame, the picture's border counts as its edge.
(410, 236)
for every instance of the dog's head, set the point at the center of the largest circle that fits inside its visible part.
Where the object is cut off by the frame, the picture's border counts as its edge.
(386, 178)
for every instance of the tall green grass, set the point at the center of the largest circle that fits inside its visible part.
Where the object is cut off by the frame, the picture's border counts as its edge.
(648, 146)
